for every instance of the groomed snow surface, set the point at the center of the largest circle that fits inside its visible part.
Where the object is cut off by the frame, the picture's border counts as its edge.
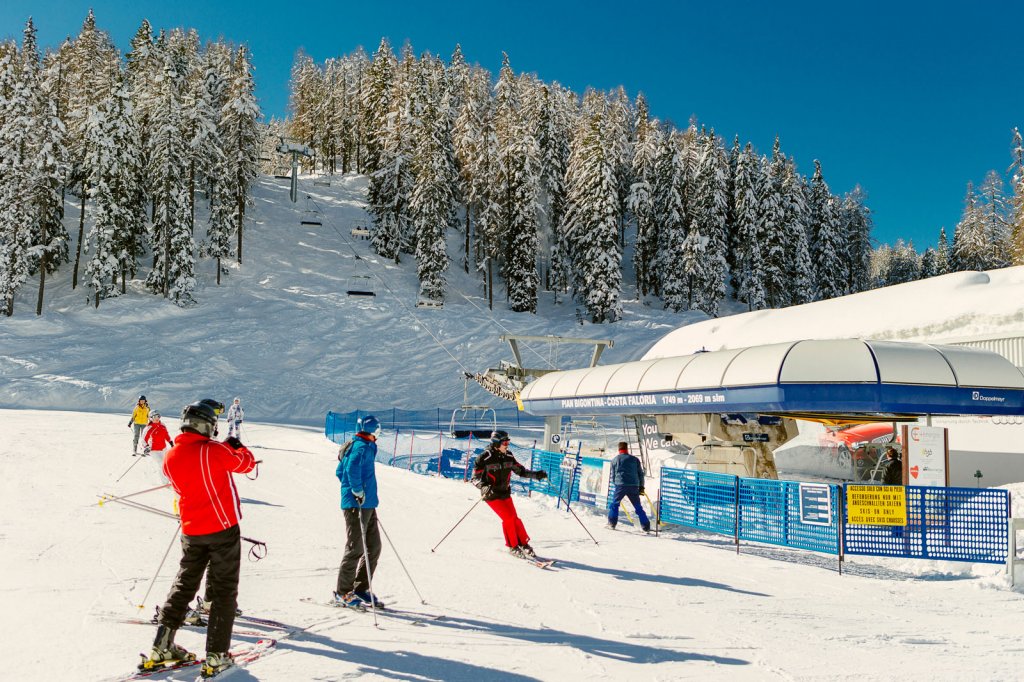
(682, 606)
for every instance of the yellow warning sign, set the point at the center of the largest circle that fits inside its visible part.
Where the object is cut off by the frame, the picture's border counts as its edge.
(876, 505)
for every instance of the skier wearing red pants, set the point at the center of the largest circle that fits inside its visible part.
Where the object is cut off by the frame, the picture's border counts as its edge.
(492, 473)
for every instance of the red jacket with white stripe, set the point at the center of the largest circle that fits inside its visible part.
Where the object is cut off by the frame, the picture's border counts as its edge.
(200, 470)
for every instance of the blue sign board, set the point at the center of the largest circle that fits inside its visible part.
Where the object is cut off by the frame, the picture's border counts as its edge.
(815, 504)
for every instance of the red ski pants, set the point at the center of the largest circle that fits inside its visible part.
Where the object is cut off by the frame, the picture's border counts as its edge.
(511, 524)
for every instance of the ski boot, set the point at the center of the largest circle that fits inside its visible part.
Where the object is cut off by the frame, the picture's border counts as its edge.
(349, 600)
(517, 552)
(203, 607)
(216, 662)
(528, 551)
(369, 598)
(165, 652)
(195, 618)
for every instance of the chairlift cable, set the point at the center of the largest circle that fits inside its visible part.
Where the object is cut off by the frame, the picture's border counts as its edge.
(495, 321)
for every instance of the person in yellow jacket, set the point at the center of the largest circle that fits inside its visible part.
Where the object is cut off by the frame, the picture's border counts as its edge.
(139, 421)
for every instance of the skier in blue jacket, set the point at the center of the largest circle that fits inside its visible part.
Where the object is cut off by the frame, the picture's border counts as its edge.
(359, 505)
(627, 478)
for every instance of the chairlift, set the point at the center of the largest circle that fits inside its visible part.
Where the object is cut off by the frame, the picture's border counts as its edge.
(360, 232)
(478, 421)
(586, 432)
(360, 285)
(429, 303)
(311, 218)
(321, 182)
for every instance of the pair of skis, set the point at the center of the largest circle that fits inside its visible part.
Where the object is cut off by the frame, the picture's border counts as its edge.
(413, 617)
(241, 654)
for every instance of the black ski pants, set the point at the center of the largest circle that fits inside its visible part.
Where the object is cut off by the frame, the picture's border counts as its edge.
(352, 573)
(218, 555)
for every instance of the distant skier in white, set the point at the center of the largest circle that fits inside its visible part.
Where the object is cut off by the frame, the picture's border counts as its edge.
(235, 418)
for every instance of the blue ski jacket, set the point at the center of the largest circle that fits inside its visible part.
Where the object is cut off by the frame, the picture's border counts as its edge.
(626, 470)
(356, 473)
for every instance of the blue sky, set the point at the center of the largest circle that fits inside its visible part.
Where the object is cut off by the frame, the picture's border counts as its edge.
(910, 100)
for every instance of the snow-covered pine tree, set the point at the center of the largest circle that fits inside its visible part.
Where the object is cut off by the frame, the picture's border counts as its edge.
(994, 215)
(707, 238)
(1017, 200)
(240, 131)
(432, 199)
(942, 254)
(50, 165)
(377, 105)
(826, 241)
(855, 218)
(468, 141)
(553, 137)
(592, 215)
(16, 120)
(970, 246)
(101, 266)
(749, 259)
(620, 140)
(801, 270)
(641, 196)
(773, 229)
(928, 263)
(904, 264)
(173, 248)
(733, 250)
(670, 211)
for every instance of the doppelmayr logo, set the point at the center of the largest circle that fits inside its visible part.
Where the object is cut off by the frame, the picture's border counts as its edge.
(976, 395)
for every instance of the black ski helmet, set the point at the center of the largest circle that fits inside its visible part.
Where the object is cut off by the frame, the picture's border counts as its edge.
(201, 417)
(498, 437)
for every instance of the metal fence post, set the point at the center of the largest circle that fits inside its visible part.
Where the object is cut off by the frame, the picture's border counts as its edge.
(412, 441)
(736, 513)
(840, 524)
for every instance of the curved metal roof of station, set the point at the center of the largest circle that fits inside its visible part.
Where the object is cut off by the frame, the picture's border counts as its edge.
(838, 377)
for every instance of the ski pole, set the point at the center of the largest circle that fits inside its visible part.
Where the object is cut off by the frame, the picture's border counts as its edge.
(407, 574)
(581, 523)
(366, 565)
(108, 498)
(159, 568)
(137, 460)
(143, 507)
(457, 524)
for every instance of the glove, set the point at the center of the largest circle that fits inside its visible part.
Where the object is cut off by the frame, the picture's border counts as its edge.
(129, 425)
(540, 475)
(360, 496)
(485, 490)
(233, 442)
(146, 450)
(641, 490)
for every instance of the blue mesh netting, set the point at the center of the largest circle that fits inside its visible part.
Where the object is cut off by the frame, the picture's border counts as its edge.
(562, 481)
(954, 524)
(769, 512)
(699, 499)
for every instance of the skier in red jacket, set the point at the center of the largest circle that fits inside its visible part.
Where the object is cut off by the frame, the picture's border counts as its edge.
(157, 440)
(200, 470)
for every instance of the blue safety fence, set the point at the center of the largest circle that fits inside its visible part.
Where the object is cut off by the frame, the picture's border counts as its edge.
(790, 514)
(952, 524)
(699, 499)
(563, 472)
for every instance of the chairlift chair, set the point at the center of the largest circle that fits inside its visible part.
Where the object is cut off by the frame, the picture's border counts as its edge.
(311, 218)
(321, 182)
(429, 303)
(479, 421)
(589, 432)
(360, 285)
(360, 232)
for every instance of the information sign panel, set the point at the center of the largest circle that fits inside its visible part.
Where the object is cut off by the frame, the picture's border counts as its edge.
(816, 504)
(876, 505)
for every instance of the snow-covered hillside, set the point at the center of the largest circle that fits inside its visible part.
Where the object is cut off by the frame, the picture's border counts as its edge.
(281, 332)
(681, 607)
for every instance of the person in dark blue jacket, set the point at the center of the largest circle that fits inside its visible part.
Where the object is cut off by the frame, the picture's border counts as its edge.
(359, 505)
(627, 479)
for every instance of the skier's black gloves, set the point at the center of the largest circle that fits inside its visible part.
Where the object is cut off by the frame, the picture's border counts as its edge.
(485, 490)
(540, 475)
(233, 442)
(641, 490)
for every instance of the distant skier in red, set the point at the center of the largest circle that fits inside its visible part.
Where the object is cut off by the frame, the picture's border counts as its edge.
(492, 473)
(200, 470)
(157, 440)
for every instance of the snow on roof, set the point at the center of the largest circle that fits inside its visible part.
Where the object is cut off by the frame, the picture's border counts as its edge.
(960, 306)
